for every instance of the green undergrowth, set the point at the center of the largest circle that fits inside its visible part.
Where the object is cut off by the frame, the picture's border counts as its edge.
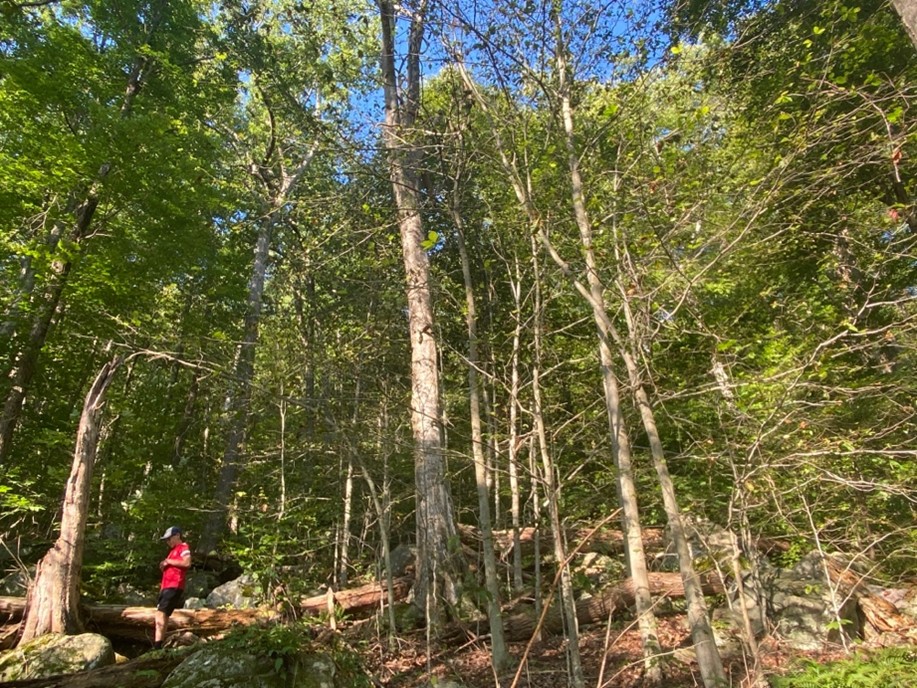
(894, 667)
(289, 645)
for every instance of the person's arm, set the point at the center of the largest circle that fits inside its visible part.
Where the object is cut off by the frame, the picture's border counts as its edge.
(182, 562)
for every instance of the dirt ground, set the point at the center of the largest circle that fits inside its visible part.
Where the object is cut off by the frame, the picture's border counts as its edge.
(611, 660)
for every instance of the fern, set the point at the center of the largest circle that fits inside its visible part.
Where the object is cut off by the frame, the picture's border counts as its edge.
(889, 668)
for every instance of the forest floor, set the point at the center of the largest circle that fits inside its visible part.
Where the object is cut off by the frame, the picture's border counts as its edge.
(611, 660)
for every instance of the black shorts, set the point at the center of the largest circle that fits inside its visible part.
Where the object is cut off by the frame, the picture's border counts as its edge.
(169, 600)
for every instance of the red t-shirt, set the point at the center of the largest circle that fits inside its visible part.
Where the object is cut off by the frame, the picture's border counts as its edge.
(174, 576)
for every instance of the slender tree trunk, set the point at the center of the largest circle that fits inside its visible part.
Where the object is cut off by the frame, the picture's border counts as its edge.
(27, 364)
(552, 499)
(708, 657)
(381, 505)
(620, 442)
(619, 437)
(53, 598)
(343, 560)
(186, 419)
(499, 654)
(438, 569)
(514, 442)
(25, 291)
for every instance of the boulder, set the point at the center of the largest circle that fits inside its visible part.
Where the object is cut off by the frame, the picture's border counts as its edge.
(402, 557)
(729, 628)
(129, 595)
(808, 611)
(199, 584)
(54, 654)
(214, 666)
(242, 593)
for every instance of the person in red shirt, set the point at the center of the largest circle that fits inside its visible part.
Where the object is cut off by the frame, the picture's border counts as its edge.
(172, 590)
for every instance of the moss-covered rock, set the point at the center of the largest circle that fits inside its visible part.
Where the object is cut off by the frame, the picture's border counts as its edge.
(215, 667)
(276, 657)
(55, 654)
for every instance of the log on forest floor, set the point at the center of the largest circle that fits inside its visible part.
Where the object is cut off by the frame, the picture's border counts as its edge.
(136, 623)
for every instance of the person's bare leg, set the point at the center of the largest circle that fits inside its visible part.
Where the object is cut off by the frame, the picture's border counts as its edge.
(161, 622)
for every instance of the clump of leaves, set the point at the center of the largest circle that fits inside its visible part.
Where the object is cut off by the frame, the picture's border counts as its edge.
(895, 666)
(279, 642)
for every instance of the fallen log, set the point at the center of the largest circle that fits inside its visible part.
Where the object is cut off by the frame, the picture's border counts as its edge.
(612, 601)
(360, 599)
(136, 623)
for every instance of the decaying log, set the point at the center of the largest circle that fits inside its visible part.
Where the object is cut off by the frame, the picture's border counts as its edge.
(882, 617)
(613, 601)
(136, 623)
(360, 599)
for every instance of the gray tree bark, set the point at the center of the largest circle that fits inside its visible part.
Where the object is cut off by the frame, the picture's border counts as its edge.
(438, 569)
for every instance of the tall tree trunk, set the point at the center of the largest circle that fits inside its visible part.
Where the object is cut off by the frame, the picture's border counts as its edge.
(552, 500)
(499, 654)
(514, 442)
(278, 182)
(53, 598)
(239, 400)
(437, 568)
